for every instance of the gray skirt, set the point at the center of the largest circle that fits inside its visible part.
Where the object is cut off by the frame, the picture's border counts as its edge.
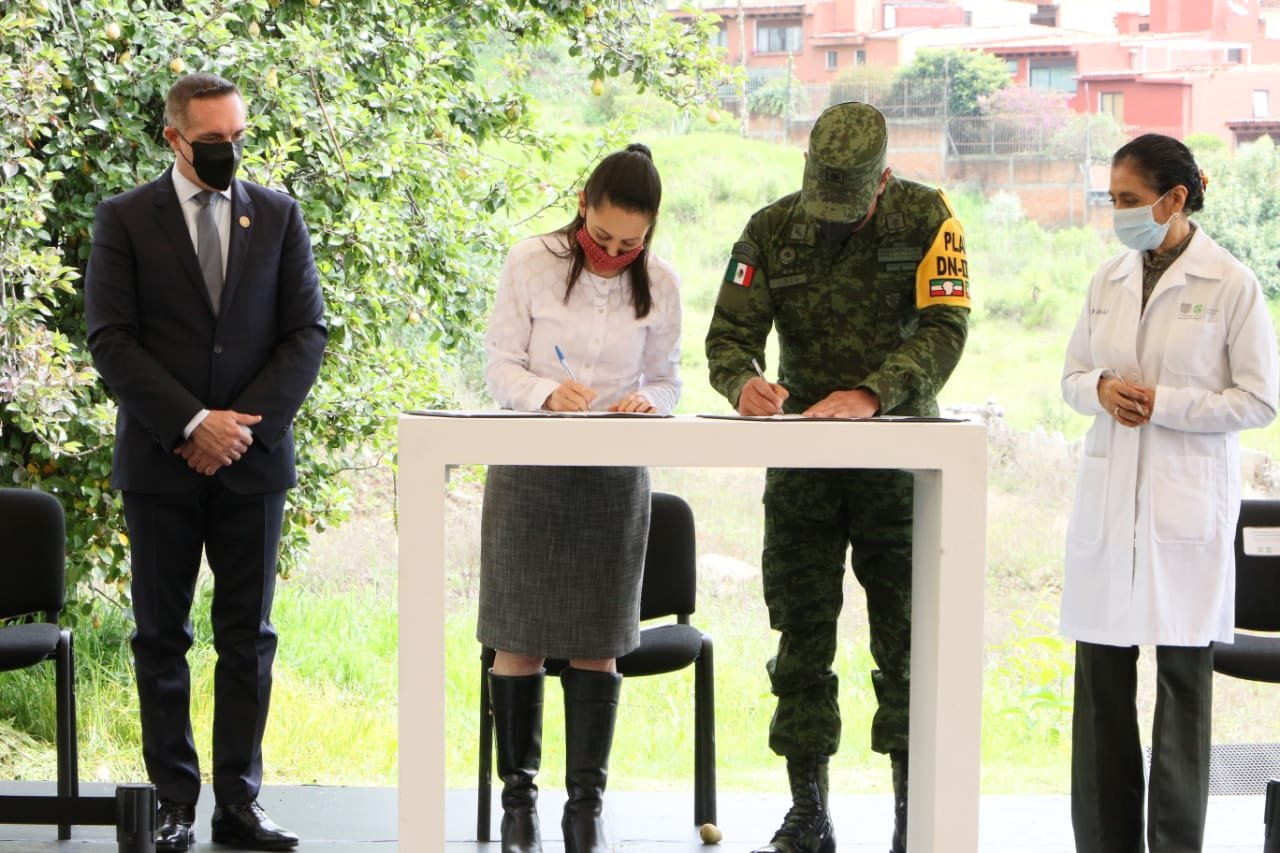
(561, 559)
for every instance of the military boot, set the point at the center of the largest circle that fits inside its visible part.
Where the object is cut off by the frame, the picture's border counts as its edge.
(517, 721)
(899, 761)
(807, 826)
(590, 711)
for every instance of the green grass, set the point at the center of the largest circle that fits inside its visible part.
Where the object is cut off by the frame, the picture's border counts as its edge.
(333, 709)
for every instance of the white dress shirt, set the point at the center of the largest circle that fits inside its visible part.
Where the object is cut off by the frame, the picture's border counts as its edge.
(608, 348)
(221, 201)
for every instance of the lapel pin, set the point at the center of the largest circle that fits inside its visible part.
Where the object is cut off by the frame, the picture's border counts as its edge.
(244, 222)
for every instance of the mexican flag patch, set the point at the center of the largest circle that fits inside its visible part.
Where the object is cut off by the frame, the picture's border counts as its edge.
(739, 273)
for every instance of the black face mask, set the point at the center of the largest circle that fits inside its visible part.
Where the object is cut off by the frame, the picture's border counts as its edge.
(215, 162)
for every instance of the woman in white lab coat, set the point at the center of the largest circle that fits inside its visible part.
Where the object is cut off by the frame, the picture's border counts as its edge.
(1173, 355)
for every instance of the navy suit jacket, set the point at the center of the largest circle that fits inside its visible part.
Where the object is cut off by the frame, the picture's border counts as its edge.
(164, 353)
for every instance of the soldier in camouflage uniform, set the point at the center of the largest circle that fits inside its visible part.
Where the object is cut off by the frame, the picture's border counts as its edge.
(864, 276)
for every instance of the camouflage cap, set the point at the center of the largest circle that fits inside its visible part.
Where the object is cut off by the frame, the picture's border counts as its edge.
(847, 154)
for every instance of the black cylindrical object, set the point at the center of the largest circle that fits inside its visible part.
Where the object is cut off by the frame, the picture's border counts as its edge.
(136, 818)
(1272, 818)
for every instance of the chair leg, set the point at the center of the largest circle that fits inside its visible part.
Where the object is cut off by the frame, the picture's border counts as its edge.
(484, 783)
(704, 755)
(65, 700)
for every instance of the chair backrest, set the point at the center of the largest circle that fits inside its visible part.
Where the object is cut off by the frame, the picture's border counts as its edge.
(1257, 576)
(32, 553)
(670, 563)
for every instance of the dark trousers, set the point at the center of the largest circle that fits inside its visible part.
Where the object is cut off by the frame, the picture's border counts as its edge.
(812, 519)
(1106, 753)
(240, 535)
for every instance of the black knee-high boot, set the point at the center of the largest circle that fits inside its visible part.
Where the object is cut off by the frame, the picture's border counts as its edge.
(517, 721)
(590, 709)
(899, 761)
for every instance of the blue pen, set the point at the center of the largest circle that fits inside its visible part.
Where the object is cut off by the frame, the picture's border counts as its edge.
(564, 363)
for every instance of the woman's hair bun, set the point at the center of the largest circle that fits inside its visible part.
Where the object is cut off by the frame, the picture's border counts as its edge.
(640, 148)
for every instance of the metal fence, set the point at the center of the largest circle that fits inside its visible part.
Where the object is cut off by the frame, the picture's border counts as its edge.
(975, 136)
(1000, 135)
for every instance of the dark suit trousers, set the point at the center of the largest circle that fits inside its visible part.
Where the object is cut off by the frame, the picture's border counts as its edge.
(240, 535)
(1106, 750)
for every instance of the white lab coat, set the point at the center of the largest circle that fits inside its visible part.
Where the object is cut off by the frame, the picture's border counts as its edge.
(1149, 556)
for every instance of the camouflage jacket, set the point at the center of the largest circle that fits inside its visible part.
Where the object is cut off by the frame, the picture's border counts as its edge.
(886, 311)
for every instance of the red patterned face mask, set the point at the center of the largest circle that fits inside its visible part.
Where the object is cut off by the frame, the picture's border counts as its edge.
(601, 261)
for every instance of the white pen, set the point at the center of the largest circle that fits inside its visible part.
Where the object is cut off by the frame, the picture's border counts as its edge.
(760, 372)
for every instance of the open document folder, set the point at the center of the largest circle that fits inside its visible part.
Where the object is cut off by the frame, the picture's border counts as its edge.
(541, 413)
(796, 417)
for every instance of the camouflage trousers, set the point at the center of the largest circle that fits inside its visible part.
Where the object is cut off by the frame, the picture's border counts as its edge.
(812, 518)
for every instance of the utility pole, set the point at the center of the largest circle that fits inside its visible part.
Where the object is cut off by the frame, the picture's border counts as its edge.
(743, 110)
(946, 113)
(786, 106)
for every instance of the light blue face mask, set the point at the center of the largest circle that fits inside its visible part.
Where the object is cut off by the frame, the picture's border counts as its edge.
(1137, 228)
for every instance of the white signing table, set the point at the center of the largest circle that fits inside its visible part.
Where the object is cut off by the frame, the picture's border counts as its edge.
(949, 463)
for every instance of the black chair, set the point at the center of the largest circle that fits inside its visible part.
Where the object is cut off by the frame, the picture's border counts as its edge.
(32, 587)
(1254, 656)
(669, 589)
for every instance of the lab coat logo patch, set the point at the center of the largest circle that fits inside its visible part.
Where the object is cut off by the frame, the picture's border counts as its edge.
(739, 273)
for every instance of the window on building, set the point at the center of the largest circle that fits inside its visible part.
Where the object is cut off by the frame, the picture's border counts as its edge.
(1235, 54)
(1011, 65)
(1261, 103)
(860, 57)
(720, 38)
(1112, 104)
(833, 60)
(1045, 15)
(778, 38)
(1056, 74)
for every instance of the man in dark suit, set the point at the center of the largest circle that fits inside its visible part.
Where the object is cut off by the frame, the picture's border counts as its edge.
(205, 320)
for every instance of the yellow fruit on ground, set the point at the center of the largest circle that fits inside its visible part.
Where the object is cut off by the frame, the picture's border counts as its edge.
(710, 833)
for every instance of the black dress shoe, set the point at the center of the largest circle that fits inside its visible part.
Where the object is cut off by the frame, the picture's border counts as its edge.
(173, 826)
(247, 825)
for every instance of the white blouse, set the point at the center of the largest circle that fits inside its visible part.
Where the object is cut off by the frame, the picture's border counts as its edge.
(608, 348)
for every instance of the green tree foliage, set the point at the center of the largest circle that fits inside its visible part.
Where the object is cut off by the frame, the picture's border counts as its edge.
(404, 129)
(961, 78)
(781, 96)
(869, 84)
(1242, 206)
